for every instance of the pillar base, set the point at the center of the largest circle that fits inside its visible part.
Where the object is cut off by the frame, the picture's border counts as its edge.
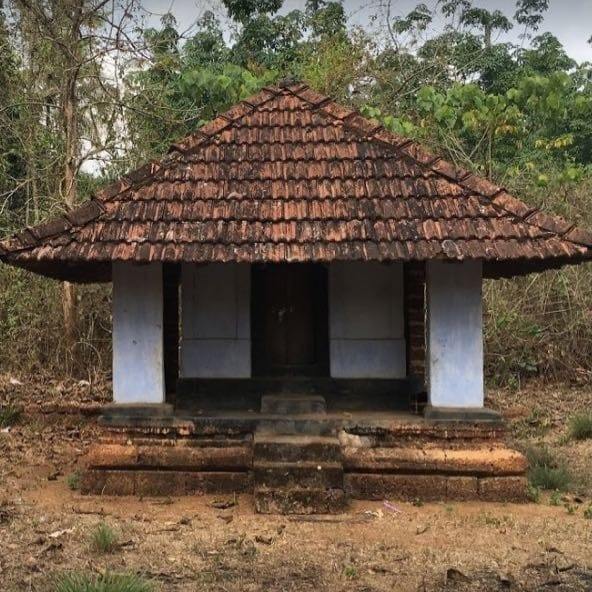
(117, 412)
(461, 414)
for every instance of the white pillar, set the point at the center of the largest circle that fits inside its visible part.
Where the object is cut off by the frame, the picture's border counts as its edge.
(455, 335)
(138, 349)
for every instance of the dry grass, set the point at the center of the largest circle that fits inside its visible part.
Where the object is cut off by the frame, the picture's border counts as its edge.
(580, 426)
(81, 582)
(9, 415)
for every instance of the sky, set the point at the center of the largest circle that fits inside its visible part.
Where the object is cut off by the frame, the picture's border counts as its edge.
(569, 20)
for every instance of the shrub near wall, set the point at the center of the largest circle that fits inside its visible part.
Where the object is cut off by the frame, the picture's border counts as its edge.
(541, 324)
(31, 326)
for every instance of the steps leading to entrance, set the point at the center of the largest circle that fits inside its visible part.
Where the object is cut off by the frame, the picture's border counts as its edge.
(306, 474)
(293, 404)
(297, 463)
(299, 425)
(300, 501)
(284, 448)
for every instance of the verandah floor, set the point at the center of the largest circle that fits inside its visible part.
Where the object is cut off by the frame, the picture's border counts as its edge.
(340, 395)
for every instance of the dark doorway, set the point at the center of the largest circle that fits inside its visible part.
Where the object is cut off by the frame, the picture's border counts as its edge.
(289, 320)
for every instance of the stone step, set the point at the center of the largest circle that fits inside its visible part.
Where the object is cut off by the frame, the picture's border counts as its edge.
(293, 404)
(294, 448)
(300, 501)
(312, 426)
(299, 475)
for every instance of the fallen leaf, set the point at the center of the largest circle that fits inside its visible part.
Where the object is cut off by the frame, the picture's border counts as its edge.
(58, 533)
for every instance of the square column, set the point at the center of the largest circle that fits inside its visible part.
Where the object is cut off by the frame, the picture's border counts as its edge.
(455, 342)
(138, 346)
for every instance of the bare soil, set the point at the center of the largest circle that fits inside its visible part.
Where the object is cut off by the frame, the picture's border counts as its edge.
(192, 544)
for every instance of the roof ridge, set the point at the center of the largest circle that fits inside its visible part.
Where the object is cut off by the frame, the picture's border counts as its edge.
(498, 196)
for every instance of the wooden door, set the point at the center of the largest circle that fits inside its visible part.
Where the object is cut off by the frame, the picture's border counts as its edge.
(289, 320)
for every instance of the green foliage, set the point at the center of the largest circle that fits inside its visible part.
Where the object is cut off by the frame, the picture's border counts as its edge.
(81, 582)
(73, 481)
(533, 493)
(104, 539)
(580, 426)
(545, 471)
(9, 415)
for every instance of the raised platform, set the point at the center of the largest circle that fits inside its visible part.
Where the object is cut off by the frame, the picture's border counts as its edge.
(298, 461)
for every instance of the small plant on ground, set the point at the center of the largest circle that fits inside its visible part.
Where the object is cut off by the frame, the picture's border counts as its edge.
(73, 481)
(492, 520)
(570, 509)
(350, 572)
(9, 415)
(533, 493)
(555, 499)
(580, 426)
(79, 582)
(545, 471)
(104, 539)
(588, 512)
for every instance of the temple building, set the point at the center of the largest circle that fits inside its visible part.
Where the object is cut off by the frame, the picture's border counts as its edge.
(297, 311)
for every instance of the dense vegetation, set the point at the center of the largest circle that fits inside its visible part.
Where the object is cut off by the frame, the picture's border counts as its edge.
(88, 91)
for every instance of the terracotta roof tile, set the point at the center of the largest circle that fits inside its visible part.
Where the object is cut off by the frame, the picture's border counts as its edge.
(290, 175)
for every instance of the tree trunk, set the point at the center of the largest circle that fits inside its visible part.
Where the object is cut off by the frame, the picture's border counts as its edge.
(70, 190)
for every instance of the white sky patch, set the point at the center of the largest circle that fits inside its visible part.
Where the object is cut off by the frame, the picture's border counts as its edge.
(569, 20)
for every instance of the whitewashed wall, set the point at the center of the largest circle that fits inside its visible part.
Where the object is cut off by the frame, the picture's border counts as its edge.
(216, 327)
(455, 334)
(138, 366)
(366, 328)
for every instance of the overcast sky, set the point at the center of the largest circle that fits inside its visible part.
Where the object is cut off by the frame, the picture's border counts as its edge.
(569, 20)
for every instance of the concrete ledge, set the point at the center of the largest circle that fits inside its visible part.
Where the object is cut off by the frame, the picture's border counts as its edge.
(481, 461)
(300, 501)
(435, 487)
(461, 414)
(193, 458)
(137, 410)
(163, 483)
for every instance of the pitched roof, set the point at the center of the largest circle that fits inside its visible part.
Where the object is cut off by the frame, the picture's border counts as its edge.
(290, 175)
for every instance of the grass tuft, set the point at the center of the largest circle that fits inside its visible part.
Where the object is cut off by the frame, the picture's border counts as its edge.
(545, 471)
(580, 426)
(104, 539)
(79, 582)
(9, 415)
(73, 481)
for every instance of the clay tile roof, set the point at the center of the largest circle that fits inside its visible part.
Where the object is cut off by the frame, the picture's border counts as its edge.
(289, 175)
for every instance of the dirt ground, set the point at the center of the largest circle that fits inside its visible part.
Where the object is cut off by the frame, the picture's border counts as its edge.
(191, 544)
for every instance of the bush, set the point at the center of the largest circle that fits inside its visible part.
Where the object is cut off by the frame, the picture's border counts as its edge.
(104, 539)
(31, 326)
(580, 426)
(9, 415)
(75, 582)
(545, 471)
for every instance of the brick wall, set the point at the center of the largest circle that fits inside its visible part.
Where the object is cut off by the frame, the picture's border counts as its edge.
(414, 299)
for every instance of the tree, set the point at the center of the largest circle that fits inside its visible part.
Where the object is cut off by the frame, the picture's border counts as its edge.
(74, 42)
